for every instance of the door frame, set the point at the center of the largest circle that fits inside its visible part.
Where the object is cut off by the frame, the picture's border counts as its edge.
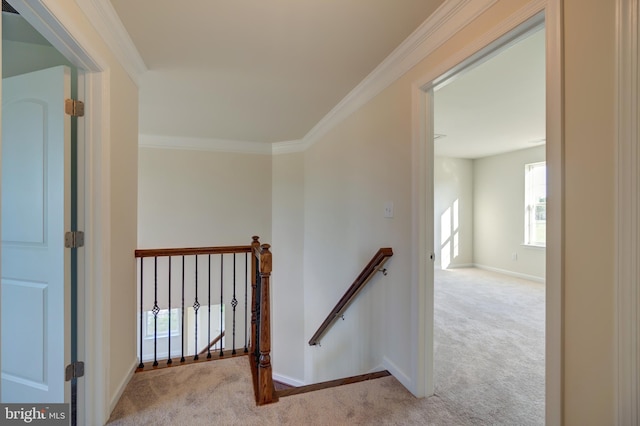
(628, 213)
(422, 307)
(54, 23)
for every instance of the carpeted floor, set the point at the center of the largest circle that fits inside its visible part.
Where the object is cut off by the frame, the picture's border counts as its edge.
(489, 359)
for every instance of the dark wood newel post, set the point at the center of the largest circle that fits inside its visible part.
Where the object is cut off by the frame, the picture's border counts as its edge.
(265, 380)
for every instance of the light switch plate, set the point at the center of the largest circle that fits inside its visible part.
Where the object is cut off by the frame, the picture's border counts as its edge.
(388, 209)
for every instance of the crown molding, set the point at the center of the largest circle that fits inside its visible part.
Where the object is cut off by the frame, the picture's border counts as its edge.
(204, 144)
(289, 147)
(105, 20)
(447, 20)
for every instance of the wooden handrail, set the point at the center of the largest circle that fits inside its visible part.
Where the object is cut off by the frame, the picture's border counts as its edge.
(212, 343)
(374, 265)
(192, 251)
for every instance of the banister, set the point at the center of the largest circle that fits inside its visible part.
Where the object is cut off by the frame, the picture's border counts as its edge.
(190, 251)
(374, 265)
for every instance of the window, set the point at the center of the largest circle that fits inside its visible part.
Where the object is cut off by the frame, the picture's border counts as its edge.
(535, 193)
(164, 328)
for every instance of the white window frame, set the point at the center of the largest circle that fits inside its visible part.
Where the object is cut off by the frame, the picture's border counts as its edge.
(149, 331)
(530, 204)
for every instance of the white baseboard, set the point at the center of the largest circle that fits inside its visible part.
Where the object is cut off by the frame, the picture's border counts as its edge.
(377, 369)
(288, 380)
(510, 273)
(396, 372)
(122, 386)
(460, 265)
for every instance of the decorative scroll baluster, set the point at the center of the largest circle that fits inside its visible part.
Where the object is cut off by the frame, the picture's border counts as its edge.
(169, 361)
(209, 315)
(182, 335)
(141, 365)
(155, 311)
(234, 303)
(221, 299)
(196, 306)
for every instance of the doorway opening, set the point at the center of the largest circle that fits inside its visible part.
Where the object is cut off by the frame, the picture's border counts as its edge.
(426, 139)
(490, 234)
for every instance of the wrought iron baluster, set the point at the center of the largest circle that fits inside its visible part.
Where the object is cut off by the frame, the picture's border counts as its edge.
(221, 299)
(182, 321)
(246, 283)
(258, 308)
(169, 361)
(155, 311)
(141, 365)
(196, 306)
(234, 303)
(209, 316)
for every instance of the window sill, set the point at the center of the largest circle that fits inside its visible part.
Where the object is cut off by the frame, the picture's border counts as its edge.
(534, 246)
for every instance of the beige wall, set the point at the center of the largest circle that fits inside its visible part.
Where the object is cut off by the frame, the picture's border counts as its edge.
(287, 288)
(349, 175)
(123, 205)
(498, 183)
(200, 198)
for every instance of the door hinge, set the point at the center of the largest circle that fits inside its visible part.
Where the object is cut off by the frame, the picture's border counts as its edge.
(74, 239)
(74, 370)
(74, 108)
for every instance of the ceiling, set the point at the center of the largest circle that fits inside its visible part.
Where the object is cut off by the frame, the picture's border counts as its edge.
(497, 107)
(258, 70)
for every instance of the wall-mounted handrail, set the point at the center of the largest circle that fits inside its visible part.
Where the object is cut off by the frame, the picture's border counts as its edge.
(374, 265)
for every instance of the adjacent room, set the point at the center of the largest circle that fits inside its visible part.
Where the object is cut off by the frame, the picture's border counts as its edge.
(489, 235)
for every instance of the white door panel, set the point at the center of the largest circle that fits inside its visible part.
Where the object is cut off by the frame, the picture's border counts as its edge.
(35, 214)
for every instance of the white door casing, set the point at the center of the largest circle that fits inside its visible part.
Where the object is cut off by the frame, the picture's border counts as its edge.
(35, 214)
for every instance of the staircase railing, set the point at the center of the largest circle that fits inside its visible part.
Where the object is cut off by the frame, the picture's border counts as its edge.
(375, 265)
(189, 295)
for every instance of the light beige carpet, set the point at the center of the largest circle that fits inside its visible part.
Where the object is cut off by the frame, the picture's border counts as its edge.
(489, 371)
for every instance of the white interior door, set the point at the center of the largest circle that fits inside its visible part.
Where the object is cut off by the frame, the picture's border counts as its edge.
(35, 215)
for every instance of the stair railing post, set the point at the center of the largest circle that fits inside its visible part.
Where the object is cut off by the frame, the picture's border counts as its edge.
(265, 380)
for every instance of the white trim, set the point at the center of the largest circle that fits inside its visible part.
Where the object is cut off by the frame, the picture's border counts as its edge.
(628, 215)
(107, 23)
(98, 244)
(289, 147)
(123, 385)
(422, 287)
(446, 21)
(396, 372)
(288, 380)
(201, 144)
(510, 273)
(53, 22)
